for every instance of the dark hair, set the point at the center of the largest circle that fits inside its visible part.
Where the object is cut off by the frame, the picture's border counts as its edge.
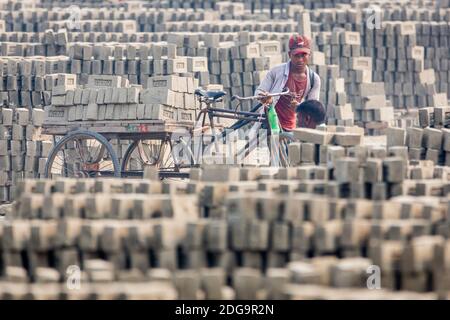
(314, 109)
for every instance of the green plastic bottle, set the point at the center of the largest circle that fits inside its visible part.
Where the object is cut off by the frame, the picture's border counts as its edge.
(273, 120)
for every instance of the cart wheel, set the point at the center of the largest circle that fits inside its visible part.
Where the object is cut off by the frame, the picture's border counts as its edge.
(82, 154)
(142, 153)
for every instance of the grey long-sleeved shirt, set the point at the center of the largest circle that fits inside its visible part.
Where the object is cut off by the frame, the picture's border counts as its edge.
(277, 77)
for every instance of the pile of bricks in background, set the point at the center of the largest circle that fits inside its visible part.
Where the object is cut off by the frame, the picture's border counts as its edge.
(25, 89)
(242, 233)
(407, 81)
(402, 27)
(430, 143)
(134, 61)
(48, 43)
(409, 53)
(408, 78)
(27, 82)
(22, 151)
(309, 231)
(342, 48)
(332, 91)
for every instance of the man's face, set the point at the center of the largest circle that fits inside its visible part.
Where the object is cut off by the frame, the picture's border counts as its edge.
(305, 121)
(299, 60)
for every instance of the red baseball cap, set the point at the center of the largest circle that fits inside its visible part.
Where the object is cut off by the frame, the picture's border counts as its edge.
(299, 44)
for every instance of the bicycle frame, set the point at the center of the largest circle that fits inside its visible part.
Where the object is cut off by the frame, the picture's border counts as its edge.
(249, 116)
(243, 118)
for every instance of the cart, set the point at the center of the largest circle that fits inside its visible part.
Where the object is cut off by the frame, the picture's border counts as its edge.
(84, 149)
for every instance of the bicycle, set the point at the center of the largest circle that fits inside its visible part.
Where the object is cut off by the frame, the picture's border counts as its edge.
(277, 142)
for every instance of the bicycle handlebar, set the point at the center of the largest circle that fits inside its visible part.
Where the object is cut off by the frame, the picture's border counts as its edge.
(259, 97)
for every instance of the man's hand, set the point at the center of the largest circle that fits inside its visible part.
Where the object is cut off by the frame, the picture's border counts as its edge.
(294, 103)
(264, 98)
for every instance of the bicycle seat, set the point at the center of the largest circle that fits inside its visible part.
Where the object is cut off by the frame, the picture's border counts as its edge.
(213, 95)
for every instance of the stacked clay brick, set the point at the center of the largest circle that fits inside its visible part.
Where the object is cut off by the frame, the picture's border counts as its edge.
(430, 140)
(23, 93)
(309, 231)
(227, 233)
(419, 92)
(22, 151)
(402, 69)
(112, 98)
(133, 61)
(240, 66)
(332, 91)
(48, 43)
(26, 82)
(343, 48)
(436, 51)
(110, 33)
(410, 43)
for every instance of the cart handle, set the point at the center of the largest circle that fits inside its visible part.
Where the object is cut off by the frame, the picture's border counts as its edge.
(286, 92)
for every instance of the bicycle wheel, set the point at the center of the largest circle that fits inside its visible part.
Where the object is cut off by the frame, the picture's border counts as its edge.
(143, 153)
(244, 155)
(82, 154)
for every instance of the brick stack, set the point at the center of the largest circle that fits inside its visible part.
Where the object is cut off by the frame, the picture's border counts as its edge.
(266, 234)
(422, 143)
(86, 58)
(308, 231)
(240, 66)
(434, 37)
(25, 82)
(400, 65)
(77, 233)
(236, 8)
(25, 89)
(368, 100)
(55, 19)
(312, 140)
(48, 43)
(405, 46)
(22, 151)
(374, 113)
(326, 19)
(369, 48)
(332, 91)
(134, 61)
(107, 98)
(359, 171)
(134, 18)
(288, 26)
